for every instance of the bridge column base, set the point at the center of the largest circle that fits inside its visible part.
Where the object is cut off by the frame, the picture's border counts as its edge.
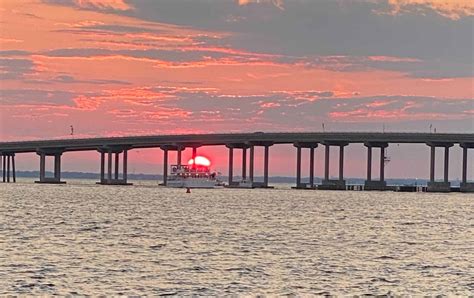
(114, 182)
(439, 187)
(261, 185)
(333, 185)
(50, 181)
(233, 184)
(237, 184)
(304, 186)
(467, 187)
(375, 185)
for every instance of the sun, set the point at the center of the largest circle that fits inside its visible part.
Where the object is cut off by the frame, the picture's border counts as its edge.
(200, 161)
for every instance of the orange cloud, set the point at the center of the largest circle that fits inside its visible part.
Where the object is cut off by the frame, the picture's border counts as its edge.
(453, 9)
(104, 4)
(2, 40)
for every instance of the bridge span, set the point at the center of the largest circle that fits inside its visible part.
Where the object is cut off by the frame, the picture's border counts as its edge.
(114, 149)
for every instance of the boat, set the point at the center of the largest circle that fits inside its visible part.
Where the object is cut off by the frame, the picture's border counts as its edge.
(192, 176)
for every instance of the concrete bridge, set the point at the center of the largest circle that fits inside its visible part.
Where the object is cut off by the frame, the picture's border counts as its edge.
(110, 150)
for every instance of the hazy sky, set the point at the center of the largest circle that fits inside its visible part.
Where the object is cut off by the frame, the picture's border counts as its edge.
(121, 67)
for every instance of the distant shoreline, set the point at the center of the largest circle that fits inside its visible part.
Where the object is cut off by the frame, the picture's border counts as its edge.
(274, 179)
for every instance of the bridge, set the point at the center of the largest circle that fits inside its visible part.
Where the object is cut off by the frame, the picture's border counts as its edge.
(113, 149)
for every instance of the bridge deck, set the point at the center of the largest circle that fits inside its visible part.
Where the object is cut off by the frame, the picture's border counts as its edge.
(73, 144)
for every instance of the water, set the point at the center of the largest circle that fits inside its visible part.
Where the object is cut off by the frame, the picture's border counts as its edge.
(86, 239)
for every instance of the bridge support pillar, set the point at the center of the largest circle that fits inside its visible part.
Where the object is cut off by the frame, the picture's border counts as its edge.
(266, 163)
(298, 166)
(252, 163)
(194, 154)
(4, 168)
(311, 167)
(466, 186)
(299, 146)
(439, 186)
(237, 184)
(165, 167)
(117, 156)
(193, 157)
(380, 184)
(231, 165)
(179, 148)
(327, 152)
(56, 154)
(334, 184)
(8, 167)
(113, 173)
(244, 163)
(179, 156)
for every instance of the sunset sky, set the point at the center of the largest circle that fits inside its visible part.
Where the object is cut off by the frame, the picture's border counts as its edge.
(140, 67)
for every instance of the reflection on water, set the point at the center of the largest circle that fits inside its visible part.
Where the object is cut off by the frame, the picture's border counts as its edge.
(86, 239)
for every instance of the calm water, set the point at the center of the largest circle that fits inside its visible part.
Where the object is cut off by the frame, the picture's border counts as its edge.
(86, 239)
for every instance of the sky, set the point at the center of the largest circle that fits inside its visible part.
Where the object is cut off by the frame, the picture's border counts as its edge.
(141, 67)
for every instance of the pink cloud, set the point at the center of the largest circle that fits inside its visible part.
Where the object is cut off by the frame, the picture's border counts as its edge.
(269, 105)
(12, 40)
(85, 103)
(368, 115)
(392, 59)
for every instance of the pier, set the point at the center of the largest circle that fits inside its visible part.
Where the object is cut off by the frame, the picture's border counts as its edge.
(115, 149)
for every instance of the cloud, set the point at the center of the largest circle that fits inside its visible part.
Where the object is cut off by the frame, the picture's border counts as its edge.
(277, 3)
(183, 57)
(115, 29)
(282, 110)
(400, 108)
(13, 69)
(109, 6)
(187, 108)
(103, 4)
(14, 53)
(12, 40)
(36, 97)
(325, 28)
(453, 9)
(413, 67)
(67, 79)
(303, 110)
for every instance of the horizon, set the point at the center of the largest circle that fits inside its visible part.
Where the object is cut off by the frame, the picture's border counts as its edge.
(272, 178)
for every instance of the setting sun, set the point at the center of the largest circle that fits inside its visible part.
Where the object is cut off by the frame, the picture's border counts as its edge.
(200, 161)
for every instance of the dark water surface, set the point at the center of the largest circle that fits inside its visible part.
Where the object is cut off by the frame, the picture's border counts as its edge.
(86, 239)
